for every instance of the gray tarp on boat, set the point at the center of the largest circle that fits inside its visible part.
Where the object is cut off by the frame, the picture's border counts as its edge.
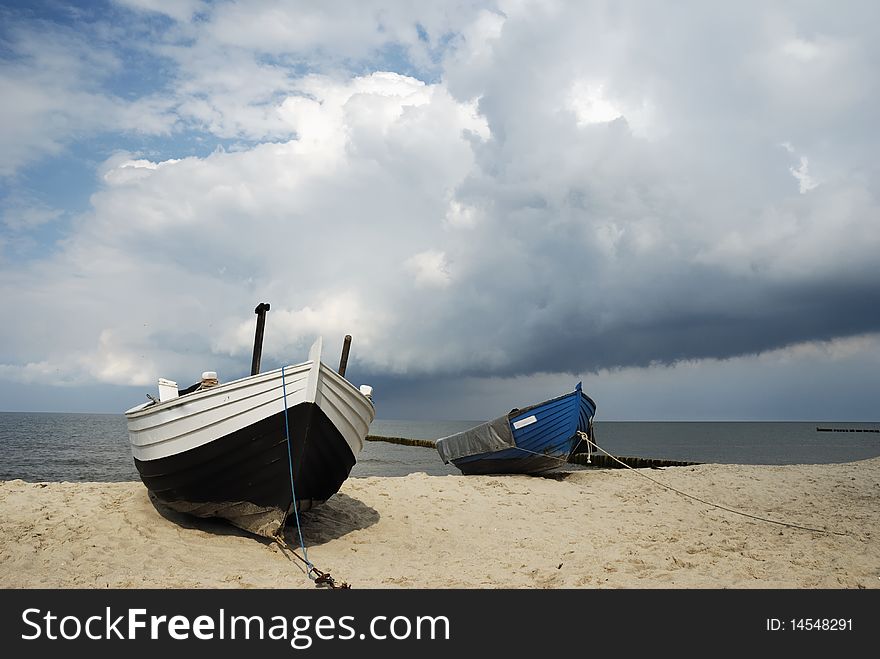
(485, 438)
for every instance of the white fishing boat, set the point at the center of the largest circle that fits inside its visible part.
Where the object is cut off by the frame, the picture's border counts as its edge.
(239, 450)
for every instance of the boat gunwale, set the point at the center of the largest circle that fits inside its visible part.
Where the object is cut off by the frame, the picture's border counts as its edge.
(515, 412)
(140, 411)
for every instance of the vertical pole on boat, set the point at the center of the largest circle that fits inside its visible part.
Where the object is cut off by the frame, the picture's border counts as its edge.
(261, 310)
(343, 362)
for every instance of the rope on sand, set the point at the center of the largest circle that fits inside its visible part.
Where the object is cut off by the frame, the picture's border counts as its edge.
(638, 462)
(584, 437)
(321, 579)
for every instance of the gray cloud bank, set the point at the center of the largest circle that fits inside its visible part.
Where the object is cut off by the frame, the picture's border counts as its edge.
(574, 187)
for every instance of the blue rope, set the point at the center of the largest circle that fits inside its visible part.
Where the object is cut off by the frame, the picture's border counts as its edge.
(292, 488)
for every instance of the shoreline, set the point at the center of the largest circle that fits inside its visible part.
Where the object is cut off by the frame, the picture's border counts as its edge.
(587, 528)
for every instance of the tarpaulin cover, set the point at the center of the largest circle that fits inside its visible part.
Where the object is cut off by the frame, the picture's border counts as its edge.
(485, 438)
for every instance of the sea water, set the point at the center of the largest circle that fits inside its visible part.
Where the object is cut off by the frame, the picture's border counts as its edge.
(94, 447)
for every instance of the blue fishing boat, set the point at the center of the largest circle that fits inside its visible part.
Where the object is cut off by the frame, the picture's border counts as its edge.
(531, 440)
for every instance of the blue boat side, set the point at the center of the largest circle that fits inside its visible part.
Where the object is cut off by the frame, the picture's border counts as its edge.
(545, 435)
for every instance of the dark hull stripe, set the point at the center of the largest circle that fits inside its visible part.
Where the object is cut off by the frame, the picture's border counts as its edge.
(529, 464)
(246, 474)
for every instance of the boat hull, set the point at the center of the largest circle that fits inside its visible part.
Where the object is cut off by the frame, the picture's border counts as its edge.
(244, 477)
(223, 451)
(543, 437)
(512, 463)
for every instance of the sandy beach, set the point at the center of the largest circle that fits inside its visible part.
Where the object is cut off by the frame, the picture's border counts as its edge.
(582, 529)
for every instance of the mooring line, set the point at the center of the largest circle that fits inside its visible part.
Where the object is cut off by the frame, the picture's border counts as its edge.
(710, 503)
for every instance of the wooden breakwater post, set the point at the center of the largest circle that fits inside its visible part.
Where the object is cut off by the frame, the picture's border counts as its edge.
(403, 441)
(605, 462)
(597, 460)
(818, 429)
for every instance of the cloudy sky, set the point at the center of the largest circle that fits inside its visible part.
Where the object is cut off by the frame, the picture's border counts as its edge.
(676, 203)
